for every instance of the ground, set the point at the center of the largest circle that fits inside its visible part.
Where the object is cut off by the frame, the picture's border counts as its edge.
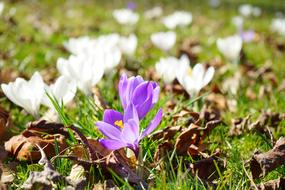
(32, 36)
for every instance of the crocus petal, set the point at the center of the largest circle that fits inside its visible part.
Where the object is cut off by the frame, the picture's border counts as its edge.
(153, 124)
(208, 76)
(130, 132)
(131, 113)
(111, 116)
(110, 131)
(156, 92)
(122, 89)
(112, 144)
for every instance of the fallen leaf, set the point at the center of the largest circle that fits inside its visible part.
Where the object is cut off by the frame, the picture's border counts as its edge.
(191, 48)
(239, 126)
(276, 184)
(76, 177)
(41, 133)
(193, 135)
(166, 133)
(162, 150)
(206, 168)
(44, 179)
(106, 185)
(5, 124)
(262, 163)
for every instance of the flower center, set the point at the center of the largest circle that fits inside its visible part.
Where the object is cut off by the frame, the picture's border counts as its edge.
(190, 71)
(119, 123)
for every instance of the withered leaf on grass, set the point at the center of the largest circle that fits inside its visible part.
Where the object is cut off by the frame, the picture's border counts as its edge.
(206, 169)
(191, 48)
(5, 124)
(44, 179)
(263, 122)
(193, 135)
(46, 135)
(276, 184)
(262, 163)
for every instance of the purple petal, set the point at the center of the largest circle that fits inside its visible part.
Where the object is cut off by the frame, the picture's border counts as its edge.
(123, 84)
(153, 124)
(142, 92)
(111, 116)
(144, 108)
(156, 92)
(130, 132)
(131, 113)
(110, 131)
(112, 144)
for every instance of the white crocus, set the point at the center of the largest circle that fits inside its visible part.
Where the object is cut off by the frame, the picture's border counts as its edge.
(26, 94)
(155, 12)
(85, 71)
(278, 25)
(238, 22)
(166, 68)
(2, 6)
(193, 80)
(164, 40)
(128, 45)
(63, 90)
(79, 45)
(247, 10)
(178, 18)
(125, 16)
(230, 47)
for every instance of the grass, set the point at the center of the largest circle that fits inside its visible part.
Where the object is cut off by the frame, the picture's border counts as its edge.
(31, 40)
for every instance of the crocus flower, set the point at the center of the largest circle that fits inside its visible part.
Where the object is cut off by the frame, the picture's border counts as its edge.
(166, 67)
(143, 94)
(131, 5)
(164, 40)
(128, 44)
(247, 10)
(278, 25)
(155, 12)
(2, 6)
(85, 71)
(26, 94)
(230, 47)
(125, 16)
(124, 130)
(81, 45)
(63, 90)
(193, 80)
(248, 36)
(178, 18)
(238, 22)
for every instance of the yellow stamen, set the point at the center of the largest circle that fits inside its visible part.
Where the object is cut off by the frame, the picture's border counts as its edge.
(190, 71)
(119, 123)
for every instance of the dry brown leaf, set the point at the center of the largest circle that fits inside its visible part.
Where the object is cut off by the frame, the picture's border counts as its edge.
(40, 133)
(167, 133)
(191, 48)
(206, 169)
(217, 100)
(106, 185)
(276, 184)
(5, 124)
(262, 163)
(239, 126)
(193, 135)
(162, 150)
(265, 121)
(44, 179)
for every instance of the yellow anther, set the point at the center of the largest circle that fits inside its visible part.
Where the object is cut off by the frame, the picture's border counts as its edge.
(119, 123)
(190, 71)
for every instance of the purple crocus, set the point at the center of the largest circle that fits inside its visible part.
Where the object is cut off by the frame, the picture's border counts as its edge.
(123, 130)
(248, 36)
(143, 94)
(131, 5)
